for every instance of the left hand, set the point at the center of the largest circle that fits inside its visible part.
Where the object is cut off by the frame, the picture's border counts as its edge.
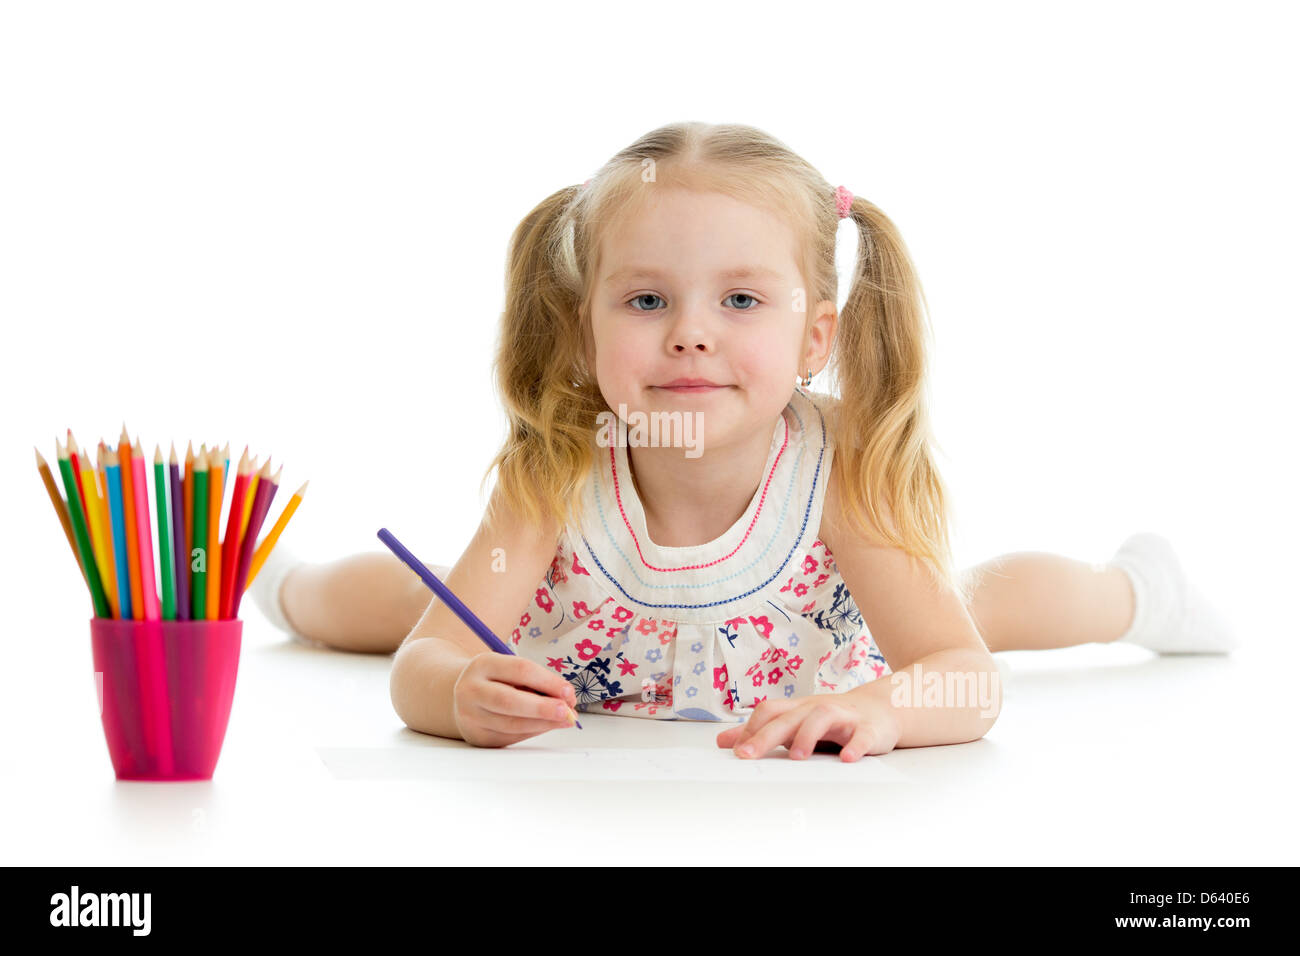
(861, 725)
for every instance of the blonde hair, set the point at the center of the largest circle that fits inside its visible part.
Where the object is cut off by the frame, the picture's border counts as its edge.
(880, 426)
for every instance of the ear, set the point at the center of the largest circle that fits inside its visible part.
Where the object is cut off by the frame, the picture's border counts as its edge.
(820, 336)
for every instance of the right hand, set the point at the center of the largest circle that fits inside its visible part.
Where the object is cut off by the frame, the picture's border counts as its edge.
(492, 709)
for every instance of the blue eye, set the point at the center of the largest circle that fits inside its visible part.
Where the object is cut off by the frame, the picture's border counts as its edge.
(744, 295)
(645, 295)
(735, 295)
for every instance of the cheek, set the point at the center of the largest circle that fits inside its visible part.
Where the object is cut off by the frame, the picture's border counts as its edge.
(622, 357)
(761, 358)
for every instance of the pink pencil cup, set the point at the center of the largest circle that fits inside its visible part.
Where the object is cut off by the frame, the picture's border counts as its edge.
(167, 687)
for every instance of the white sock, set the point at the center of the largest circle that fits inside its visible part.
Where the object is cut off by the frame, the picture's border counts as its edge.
(266, 589)
(1171, 615)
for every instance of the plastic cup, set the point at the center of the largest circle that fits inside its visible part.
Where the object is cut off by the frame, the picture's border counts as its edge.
(167, 691)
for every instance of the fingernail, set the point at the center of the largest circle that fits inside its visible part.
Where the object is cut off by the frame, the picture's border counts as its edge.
(744, 750)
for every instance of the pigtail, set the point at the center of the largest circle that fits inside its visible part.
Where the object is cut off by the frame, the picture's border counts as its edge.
(893, 488)
(541, 375)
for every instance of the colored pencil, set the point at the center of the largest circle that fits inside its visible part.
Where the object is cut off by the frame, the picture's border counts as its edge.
(254, 477)
(188, 479)
(216, 495)
(266, 488)
(60, 506)
(102, 528)
(74, 458)
(199, 541)
(225, 469)
(140, 489)
(181, 558)
(230, 547)
(113, 471)
(92, 512)
(264, 549)
(470, 619)
(78, 520)
(101, 475)
(127, 476)
(166, 569)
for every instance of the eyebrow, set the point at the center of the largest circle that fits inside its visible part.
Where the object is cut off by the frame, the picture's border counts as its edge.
(739, 272)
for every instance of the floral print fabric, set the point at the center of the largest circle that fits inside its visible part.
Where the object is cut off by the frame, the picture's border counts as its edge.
(704, 632)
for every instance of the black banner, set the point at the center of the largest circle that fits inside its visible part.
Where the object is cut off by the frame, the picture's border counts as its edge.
(983, 904)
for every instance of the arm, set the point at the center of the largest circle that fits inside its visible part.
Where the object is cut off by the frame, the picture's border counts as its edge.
(432, 657)
(965, 698)
(944, 688)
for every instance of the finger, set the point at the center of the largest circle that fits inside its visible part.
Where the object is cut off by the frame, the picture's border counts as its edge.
(510, 701)
(514, 727)
(762, 715)
(817, 724)
(522, 672)
(728, 736)
(772, 734)
(860, 744)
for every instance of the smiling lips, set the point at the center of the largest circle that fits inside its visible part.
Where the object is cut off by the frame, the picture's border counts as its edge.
(688, 386)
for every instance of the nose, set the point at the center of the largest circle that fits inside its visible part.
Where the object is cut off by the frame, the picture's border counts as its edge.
(691, 332)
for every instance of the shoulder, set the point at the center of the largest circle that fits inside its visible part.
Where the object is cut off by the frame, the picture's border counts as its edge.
(506, 524)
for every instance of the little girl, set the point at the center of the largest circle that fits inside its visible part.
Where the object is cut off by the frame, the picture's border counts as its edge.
(769, 575)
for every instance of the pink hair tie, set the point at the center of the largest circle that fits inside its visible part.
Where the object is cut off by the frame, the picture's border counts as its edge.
(843, 201)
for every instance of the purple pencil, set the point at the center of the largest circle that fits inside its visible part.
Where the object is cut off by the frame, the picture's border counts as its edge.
(470, 619)
(178, 533)
(266, 489)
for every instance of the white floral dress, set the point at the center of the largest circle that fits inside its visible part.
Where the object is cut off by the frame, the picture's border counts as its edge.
(703, 632)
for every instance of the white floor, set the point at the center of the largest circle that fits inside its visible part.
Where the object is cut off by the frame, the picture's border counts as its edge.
(1102, 755)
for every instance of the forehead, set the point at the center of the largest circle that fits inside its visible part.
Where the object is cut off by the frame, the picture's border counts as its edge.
(671, 229)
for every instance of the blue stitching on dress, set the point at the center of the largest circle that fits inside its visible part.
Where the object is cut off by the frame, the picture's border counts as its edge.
(803, 528)
(785, 507)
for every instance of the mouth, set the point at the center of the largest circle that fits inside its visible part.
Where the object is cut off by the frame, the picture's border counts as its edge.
(690, 386)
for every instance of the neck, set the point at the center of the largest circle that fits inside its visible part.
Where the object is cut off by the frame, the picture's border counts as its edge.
(692, 501)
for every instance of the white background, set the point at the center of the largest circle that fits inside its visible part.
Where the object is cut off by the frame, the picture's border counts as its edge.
(284, 224)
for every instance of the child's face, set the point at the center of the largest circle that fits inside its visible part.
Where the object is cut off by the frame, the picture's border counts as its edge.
(689, 319)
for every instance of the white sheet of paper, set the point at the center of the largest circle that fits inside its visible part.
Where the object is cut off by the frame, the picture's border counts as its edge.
(521, 762)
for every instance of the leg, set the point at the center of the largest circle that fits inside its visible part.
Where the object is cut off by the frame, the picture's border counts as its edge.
(364, 602)
(1037, 601)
